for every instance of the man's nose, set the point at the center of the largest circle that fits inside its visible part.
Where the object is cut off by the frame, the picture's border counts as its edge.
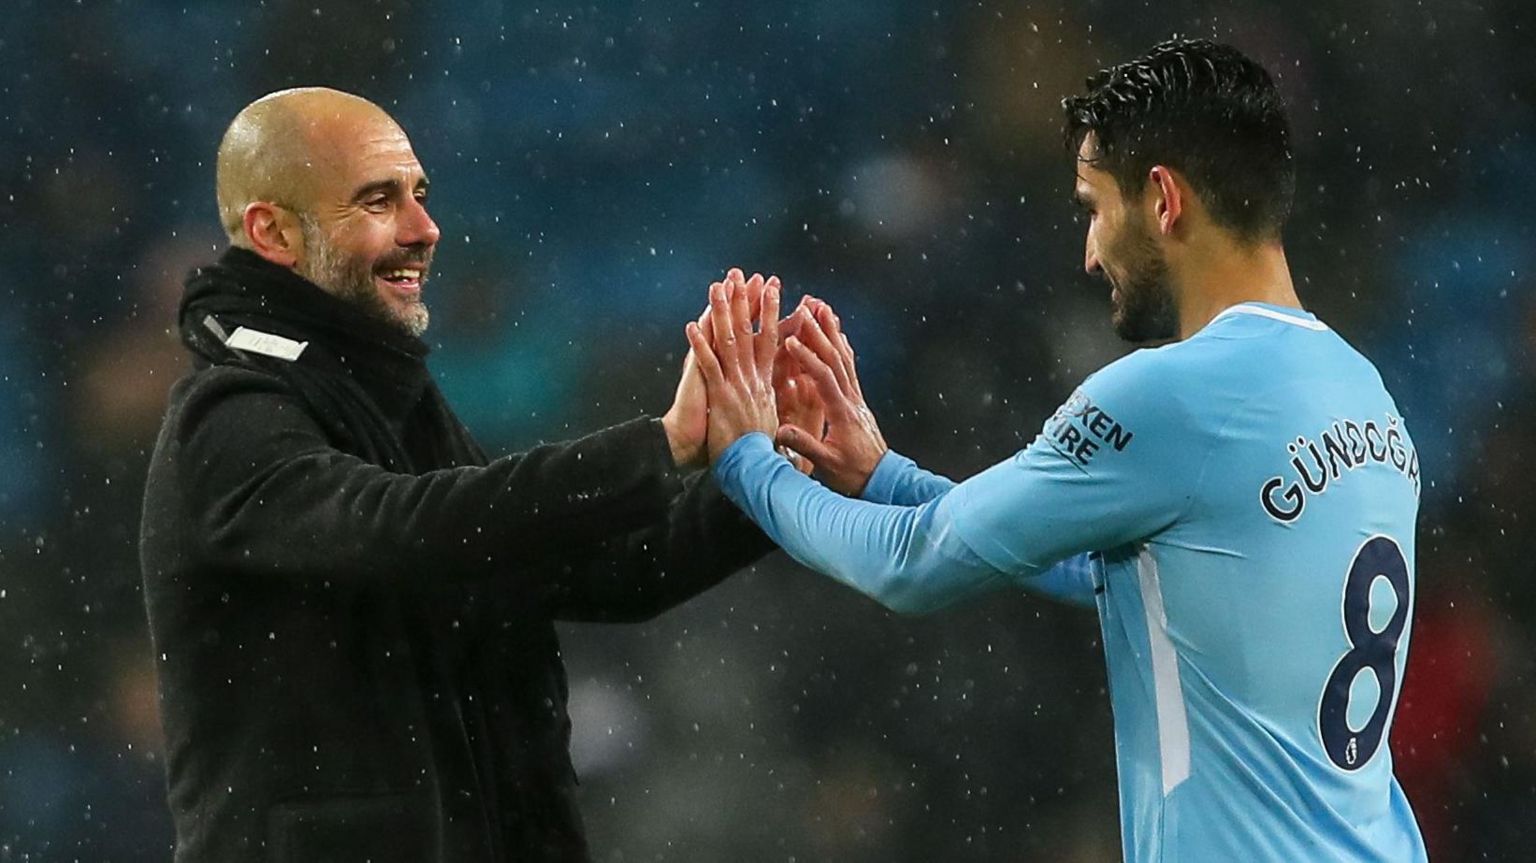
(417, 228)
(1091, 261)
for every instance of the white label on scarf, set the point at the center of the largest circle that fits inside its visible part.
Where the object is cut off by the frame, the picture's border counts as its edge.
(258, 342)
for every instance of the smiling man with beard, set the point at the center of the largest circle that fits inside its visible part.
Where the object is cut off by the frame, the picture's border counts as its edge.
(1219, 500)
(351, 605)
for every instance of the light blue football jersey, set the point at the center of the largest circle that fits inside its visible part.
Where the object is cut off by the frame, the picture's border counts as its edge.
(1240, 506)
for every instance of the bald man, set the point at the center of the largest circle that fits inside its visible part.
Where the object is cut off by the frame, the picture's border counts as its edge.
(352, 606)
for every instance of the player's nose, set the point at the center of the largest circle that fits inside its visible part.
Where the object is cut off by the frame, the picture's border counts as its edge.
(1091, 264)
(417, 227)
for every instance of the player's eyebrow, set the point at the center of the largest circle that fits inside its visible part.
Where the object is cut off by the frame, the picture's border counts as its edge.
(368, 190)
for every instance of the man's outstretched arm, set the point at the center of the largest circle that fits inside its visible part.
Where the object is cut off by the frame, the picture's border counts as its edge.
(253, 481)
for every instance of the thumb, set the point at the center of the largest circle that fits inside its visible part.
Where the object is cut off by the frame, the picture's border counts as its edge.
(801, 441)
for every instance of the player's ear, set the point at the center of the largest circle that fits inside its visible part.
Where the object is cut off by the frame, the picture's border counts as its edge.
(1168, 198)
(273, 233)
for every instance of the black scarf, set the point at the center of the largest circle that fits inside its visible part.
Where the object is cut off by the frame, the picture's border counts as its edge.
(362, 378)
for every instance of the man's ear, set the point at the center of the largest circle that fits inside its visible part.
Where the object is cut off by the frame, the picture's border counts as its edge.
(1167, 198)
(273, 233)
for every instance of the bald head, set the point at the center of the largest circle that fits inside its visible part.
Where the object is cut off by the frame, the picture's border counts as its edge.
(326, 184)
(286, 145)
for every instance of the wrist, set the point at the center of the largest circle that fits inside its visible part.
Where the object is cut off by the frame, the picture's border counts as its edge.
(867, 472)
(744, 443)
(687, 453)
(880, 487)
(855, 479)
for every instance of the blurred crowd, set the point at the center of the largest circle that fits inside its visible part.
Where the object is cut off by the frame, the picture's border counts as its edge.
(594, 167)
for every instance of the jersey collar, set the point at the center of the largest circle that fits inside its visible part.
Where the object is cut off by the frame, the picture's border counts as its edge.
(1295, 317)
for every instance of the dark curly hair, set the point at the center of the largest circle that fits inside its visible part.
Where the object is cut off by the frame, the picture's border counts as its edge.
(1203, 109)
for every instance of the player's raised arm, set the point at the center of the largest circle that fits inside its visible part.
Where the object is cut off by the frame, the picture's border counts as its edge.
(854, 437)
(910, 558)
(852, 457)
(737, 365)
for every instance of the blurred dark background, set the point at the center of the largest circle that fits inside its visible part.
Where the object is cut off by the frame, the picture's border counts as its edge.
(594, 167)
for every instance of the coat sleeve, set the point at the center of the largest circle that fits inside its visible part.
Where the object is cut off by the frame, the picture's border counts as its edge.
(254, 480)
(702, 539)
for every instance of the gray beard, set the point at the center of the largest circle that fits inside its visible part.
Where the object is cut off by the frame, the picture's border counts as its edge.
(353, 281)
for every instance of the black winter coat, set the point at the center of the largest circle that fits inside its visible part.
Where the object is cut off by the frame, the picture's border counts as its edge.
(353, 608)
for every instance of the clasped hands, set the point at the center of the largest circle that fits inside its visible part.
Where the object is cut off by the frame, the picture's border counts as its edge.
(794, 380)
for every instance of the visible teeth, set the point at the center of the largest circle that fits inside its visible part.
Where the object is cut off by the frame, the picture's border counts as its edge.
(402, 274)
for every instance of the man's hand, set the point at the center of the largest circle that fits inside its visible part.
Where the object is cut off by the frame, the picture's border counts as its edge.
(687, 421)
(737, 363)
(847, 453)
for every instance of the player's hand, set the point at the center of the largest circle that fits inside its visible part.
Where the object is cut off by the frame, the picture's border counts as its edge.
(687, 421)
(737, 362)
(846, 454)
(795, 392)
